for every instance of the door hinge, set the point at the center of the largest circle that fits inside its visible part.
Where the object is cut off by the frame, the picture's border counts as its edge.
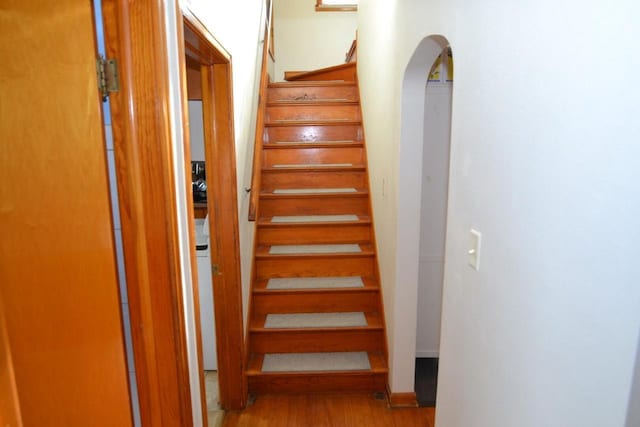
(107, 70)
(215, 269)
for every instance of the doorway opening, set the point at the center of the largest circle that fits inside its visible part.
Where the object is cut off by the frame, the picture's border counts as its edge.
(414, 147)
(210, 156)
(200, 214)
(433, 223)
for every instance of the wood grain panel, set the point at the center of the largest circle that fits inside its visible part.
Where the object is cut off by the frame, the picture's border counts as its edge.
(313, 111)
(134, 33)
(337, 132)
(345, 410)
(290, 93)
(314, 267)
(314, 178)
(323, 204)
(345, 72)
(402, 400)
(304, 341)
(57, 259)
(315, 301)
(317, 383)
(326, 233)
(293, 156)
(223, 217)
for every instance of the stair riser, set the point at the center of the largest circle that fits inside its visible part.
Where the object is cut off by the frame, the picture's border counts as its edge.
(317, 383)
(272, 180)
(312, 112)
(314, 267)
(289, 156)
(313, 133)
(310, 234)
(326, 302)
(343, 205)
(349, 93)
(345, 72)
(316, 341)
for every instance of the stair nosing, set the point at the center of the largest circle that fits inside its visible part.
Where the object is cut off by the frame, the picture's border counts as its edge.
(293, 123)
(359, 194)
(363, 254)
(311, 144)
(313, 329)
(311, 83)
(323, 102)
(312, 224)
(362, 290)
(316, 169)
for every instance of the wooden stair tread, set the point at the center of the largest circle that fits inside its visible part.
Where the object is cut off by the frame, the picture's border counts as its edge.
(257, 324)
(311, 144)
(266, 222)
(315, 266)
(286, 123)
(316, 101)
(256, 360)
(270, 195)
(366, 251)
(310, 83)
(260, 286)
(315, 168)
(313, 190)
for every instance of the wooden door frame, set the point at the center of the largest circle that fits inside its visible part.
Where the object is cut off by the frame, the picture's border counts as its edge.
(202, 48)
(136, 37)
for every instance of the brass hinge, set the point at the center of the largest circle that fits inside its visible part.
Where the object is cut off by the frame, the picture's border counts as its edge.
(107, 70)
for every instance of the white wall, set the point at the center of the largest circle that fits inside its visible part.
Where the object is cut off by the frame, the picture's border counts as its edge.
(435, 180)
(196, 131)
(633, 413)
(545, 162)
(306, 40)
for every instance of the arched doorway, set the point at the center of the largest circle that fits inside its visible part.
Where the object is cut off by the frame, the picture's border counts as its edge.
(433, 222)
(422, 200)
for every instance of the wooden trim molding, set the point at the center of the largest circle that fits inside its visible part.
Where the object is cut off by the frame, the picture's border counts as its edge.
(223, 220)
(351, 55)
(135, 35)
(219, 141)
(402, 400)
(346, 72)
(262, 106)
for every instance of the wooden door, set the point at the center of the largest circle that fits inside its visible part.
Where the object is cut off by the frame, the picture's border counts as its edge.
(58, 282)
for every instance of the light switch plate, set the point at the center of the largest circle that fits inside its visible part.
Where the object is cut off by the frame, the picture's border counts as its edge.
(474, 249)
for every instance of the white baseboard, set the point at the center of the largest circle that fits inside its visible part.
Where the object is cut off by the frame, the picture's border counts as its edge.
(427, 353)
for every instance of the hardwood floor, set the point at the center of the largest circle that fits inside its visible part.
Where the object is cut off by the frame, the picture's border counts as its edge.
(331, 410)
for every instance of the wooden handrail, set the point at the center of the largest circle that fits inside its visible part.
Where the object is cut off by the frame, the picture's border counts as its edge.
(351, 54)
(262, 106)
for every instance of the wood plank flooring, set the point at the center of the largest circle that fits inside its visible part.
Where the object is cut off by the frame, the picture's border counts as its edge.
(330, 410)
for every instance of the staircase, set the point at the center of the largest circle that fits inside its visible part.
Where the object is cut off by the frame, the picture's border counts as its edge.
(316, 320)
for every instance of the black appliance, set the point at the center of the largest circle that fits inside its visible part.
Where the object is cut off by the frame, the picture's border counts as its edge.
(198, 182)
